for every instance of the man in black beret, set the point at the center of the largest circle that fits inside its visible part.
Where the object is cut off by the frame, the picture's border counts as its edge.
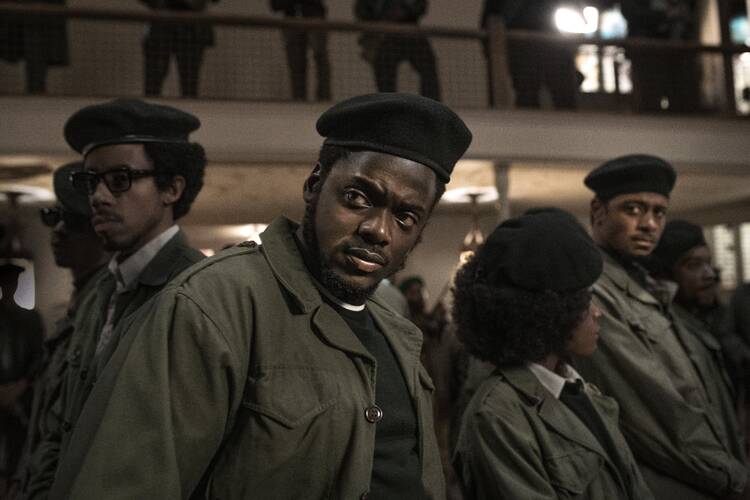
(272, 371)
(684, 257)
(645, 360)
(140, 174)
(75, 246)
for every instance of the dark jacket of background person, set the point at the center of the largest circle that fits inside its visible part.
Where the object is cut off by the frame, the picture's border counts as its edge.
(386, 51)
(512, 414)
(533, 64)
(709, 361)
(48, 384)
(734, 335)
(21, 337)
(266, 399)
(83, 368)
(659, 74)
(20, 34)
(185, 41)
(304, 8)
(40, 40)
(665, 412)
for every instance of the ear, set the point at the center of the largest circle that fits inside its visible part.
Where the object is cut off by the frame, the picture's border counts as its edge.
(597, 209)
(173, 191)
(312, 184)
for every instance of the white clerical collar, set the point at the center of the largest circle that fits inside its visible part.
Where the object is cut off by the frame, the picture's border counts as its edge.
(127, 271)
(338, 302)
(551, 381)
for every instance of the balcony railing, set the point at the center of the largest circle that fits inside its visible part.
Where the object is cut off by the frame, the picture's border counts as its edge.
(93, 52)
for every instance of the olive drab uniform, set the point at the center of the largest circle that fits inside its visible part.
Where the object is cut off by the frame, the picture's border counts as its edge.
(711, 366)
(83, 367)
(48, 383)
(518, 441)
(651, 369)
(239, 381)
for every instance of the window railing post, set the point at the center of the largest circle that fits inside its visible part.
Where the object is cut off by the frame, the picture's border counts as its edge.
(501, 95)
(727, 58)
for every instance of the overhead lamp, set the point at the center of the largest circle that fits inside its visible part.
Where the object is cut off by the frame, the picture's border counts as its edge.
(575, 21)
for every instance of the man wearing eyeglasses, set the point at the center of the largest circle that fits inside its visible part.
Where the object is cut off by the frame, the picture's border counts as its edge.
(141, 173)
(75, 246)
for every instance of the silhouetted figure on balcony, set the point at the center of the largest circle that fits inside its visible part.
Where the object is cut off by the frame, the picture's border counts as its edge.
(185, 41)
(42, 41)
(386, 51)
(663, 80)
(531, 63)
(296, 43)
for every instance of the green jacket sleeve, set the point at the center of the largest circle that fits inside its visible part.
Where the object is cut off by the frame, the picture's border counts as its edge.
(497, 458)
(662, 429)
(172, 388)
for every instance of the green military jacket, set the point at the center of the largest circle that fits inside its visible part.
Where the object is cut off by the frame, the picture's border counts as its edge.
(48, 384)
(708, 358)
(82, 367)
(652, 369)
(517, 441)
(238, 382)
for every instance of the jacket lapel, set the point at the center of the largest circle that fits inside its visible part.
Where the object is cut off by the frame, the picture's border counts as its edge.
(551, 411)
(405, 342)
(336, 332)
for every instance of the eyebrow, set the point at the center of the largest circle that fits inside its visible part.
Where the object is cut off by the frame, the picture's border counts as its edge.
(112, 167)
(380, 191)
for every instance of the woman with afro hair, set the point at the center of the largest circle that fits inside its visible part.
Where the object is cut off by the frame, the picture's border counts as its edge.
(533, 430)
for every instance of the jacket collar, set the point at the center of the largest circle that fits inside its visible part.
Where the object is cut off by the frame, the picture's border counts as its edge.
(617, 274)
(161, 268)
(553, 412)
(283, 255)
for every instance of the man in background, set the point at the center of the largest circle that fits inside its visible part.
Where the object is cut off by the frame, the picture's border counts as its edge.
(683, 257)
(296, 43)
(141, 174)
(644, 360)
(75, 246)
(386, 51)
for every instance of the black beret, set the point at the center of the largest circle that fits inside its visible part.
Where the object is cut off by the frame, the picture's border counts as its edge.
(631, 174)
(406, 125)
(543, 251)
(71, 199)
(125, 121)
(679, 237)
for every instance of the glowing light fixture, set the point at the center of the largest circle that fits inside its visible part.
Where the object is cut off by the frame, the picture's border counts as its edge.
(581, 22)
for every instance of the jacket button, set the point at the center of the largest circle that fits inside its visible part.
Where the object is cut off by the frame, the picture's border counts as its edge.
(364, 496)
(373, 414)
(84, 374)
(66, 426)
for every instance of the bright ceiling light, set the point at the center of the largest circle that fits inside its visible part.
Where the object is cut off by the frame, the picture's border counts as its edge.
(570, 20)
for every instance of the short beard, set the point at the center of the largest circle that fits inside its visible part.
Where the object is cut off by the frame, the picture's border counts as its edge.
(340, 289)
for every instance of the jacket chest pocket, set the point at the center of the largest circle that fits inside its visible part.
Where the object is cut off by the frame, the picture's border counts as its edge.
(650, 328)
(571, 473)
(291, 395)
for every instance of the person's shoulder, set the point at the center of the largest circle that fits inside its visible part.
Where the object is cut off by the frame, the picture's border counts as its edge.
(496, 396)
(230, 268)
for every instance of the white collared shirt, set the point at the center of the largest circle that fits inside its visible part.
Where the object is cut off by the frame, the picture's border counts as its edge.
(551, 381)
(126, 272)
(126, 275)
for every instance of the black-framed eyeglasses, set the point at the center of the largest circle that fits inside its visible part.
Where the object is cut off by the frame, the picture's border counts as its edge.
(117, 180)
(74, 222)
